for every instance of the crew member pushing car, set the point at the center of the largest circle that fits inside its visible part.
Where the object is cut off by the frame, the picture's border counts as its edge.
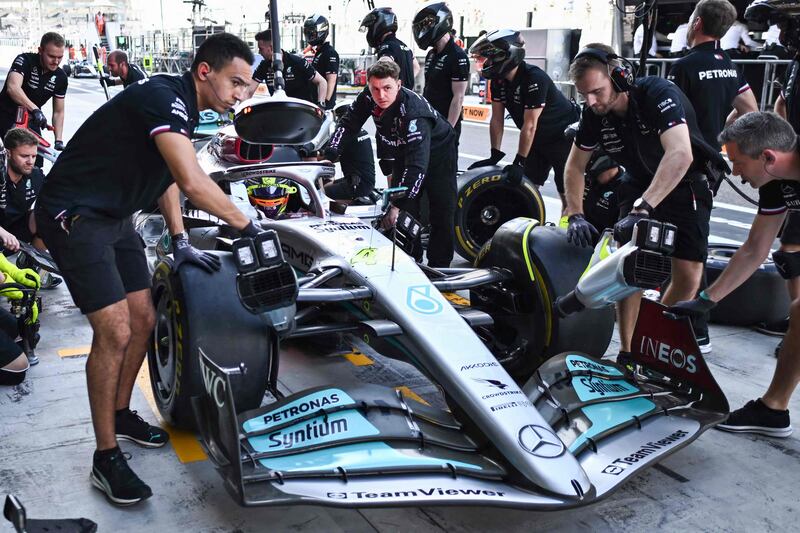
(83, 214)
(647, 126)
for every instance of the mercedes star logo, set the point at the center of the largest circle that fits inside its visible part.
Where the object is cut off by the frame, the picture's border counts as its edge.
(540, 441)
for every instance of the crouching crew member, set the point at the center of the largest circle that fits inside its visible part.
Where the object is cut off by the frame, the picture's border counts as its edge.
(424, 149)
(765, 153)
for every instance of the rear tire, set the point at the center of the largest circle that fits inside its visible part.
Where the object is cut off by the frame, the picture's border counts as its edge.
(196, 310)
(485, 201)
(762, 298)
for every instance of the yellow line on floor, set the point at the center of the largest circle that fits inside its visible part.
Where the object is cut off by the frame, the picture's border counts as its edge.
(358, 358)
(185, 443)
(408, 393)
(78, 351)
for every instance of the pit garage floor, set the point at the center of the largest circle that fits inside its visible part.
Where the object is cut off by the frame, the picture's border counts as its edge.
(722, 482)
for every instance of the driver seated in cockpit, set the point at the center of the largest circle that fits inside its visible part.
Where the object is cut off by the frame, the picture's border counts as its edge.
(275, 198)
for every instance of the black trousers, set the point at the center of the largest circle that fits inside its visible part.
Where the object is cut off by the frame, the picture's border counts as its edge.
(440, 188)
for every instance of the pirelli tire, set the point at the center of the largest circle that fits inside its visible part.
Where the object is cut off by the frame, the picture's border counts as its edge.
(485, 201)
(196, 310)
(762, 298)
(526, 331)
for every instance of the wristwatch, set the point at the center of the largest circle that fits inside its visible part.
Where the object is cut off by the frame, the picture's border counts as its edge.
(641, 204)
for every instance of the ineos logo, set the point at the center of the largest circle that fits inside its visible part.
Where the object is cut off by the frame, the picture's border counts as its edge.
(215, 386)
(665, 353)
(540, 441)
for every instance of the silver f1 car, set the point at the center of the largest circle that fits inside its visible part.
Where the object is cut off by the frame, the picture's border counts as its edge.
(530, 416)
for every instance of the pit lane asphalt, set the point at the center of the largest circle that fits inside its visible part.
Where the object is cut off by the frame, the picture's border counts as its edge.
(722, 482)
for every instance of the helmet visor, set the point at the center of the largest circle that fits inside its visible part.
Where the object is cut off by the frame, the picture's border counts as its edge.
(426, 24)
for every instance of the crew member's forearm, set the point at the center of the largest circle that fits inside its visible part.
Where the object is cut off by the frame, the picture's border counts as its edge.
(454, 112)
(496, 132)
(322, 90)
(670, 172)
(58, 125)
(526, 136)
(330, 79)
(170, 206)
(574, 185)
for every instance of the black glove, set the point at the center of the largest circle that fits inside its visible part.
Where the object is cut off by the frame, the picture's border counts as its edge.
(623, 230)
(38, 119)
(250, 230)
(105, 80)
(515, 171)
(329, 104)
(580, 231)
(58, 145)
(331, 154)
(693, 308)
(496, 156)
(185, 253)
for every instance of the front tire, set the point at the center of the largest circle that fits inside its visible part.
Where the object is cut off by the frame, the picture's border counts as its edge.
(196, 310)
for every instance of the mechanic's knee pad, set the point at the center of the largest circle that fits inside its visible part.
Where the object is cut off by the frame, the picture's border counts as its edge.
(787, 263)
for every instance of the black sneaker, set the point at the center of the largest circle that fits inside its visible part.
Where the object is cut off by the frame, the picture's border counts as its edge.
(776, 329)
(112, 475)
(755, 417)
(130, 426)
(704, 343)
(49, 281)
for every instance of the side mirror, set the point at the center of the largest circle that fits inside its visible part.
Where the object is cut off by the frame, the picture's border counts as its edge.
(278, 120)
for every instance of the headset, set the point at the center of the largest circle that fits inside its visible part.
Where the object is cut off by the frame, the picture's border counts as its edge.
(622, 76)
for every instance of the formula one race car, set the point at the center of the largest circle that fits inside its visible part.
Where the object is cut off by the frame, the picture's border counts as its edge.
(529, 415)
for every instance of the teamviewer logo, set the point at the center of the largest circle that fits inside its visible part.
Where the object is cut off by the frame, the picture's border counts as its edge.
(613, 470)
(337, 495)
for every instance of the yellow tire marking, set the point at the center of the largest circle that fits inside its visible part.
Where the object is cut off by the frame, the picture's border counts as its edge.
(185, 443)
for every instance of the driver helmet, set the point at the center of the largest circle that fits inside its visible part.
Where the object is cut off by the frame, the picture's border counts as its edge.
(378, 23)
(270, 196)
(502, 50)
(315, 29)
(431, 23)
